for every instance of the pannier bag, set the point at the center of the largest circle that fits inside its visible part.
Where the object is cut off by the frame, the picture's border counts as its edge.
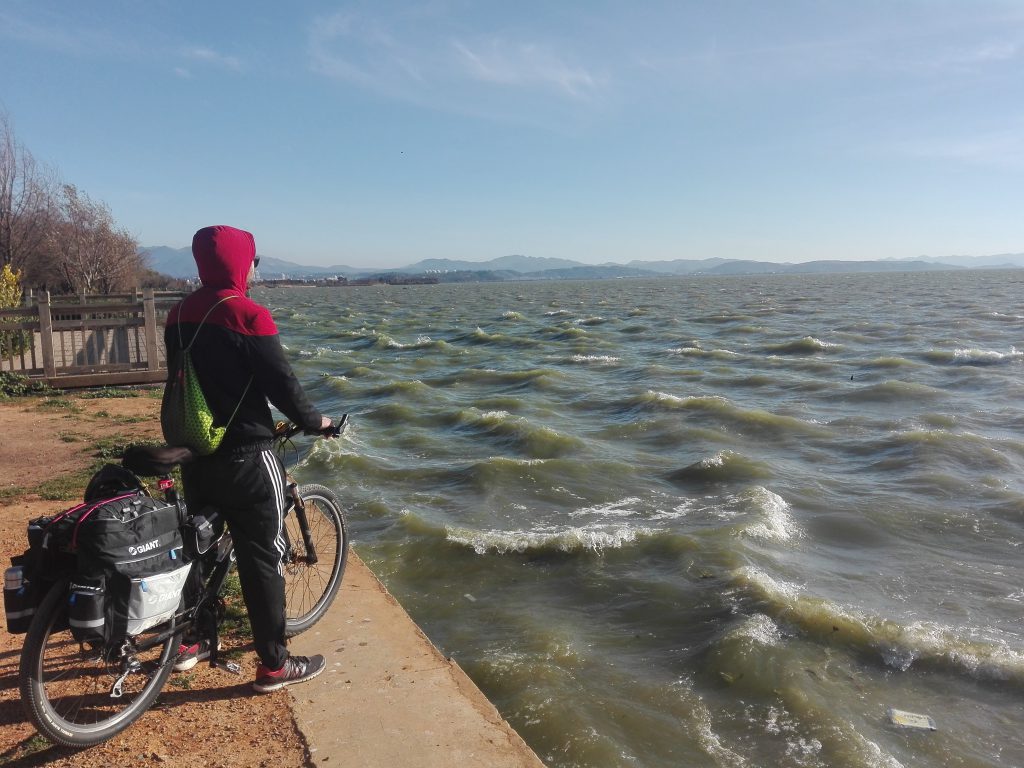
(123, 556)
(49, 557)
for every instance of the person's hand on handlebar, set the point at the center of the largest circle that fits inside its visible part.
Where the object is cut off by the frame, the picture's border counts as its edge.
(329, 429)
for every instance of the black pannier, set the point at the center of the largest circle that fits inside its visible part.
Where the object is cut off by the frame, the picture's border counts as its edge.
(123, 556)
(49, 557)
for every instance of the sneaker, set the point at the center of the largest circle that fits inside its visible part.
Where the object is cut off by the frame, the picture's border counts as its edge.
(190, 655)
(296, 669)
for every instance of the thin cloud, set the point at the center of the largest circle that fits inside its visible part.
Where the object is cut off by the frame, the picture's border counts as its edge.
(524, 65)
(58, 34)
(210, 56)
(395, 57)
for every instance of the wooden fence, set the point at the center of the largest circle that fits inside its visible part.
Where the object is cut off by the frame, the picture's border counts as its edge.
(87, 341)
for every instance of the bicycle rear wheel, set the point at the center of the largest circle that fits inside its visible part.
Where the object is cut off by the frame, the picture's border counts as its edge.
(67, 687)
(310, 588)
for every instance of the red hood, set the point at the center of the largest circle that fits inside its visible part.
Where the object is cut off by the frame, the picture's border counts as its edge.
(223, 256)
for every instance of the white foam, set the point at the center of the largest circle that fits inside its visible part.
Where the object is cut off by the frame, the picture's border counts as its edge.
(963, 355)
(623, 508)
(758, 628)
(596, 359)
(776, 523)
(594, 537)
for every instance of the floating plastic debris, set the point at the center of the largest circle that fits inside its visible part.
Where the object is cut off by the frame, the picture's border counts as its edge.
(911, 720)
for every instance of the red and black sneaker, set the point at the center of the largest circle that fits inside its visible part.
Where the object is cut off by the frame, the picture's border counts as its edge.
(190, 655)
(296, 669)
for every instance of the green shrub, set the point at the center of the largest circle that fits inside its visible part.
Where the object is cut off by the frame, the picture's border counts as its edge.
(16, 385)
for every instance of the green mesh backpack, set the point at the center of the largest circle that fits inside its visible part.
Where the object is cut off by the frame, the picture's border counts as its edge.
(185, 416)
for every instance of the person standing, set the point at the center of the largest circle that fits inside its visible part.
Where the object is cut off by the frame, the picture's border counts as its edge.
(241, 365)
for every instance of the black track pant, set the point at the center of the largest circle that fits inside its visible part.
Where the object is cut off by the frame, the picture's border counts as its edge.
(247, 487)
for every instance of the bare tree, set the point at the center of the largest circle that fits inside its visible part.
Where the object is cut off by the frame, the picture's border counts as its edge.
(26, 199)
(95, 256)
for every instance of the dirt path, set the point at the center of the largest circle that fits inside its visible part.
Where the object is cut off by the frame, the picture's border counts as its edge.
(204, 717)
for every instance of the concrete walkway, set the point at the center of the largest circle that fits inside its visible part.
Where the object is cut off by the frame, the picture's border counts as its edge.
(388, 697)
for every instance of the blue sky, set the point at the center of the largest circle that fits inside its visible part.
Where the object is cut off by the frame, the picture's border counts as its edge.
(375, 134)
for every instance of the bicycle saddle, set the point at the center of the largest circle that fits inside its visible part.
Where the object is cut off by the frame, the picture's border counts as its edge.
(155, 459)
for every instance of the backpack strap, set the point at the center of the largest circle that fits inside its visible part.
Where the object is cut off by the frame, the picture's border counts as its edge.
(181, 341)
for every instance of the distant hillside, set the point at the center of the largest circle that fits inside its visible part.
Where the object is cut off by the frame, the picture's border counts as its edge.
(999, 260)
(521, 264)
(177, 262)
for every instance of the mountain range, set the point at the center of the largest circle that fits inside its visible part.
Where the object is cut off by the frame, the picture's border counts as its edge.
(177, 262)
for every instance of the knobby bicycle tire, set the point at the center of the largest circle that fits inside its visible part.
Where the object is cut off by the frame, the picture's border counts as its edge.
(65, 686)
(310, 589)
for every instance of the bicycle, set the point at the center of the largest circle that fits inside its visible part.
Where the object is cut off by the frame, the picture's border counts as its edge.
(78, 695)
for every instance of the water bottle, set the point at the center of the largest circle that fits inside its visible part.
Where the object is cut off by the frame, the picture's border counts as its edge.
(18, 604)
(14, 577)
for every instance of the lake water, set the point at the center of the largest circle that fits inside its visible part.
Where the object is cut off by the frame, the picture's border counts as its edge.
(695, 521)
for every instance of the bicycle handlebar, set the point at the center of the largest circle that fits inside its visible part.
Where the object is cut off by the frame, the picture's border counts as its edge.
(285, 430)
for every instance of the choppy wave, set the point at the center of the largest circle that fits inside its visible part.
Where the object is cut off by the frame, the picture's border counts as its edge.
(808, 345)
(723, 467)
(320, 352)
(890, 361)
(537, 440)
(531, 378)
(745, 419)
(697, 351)
(898, 645)
(597, 537)
(893, 391)
(482, 337)
(773, 520)
(970, 356)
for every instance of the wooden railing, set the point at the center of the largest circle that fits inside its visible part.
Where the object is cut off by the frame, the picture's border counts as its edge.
(86, 341)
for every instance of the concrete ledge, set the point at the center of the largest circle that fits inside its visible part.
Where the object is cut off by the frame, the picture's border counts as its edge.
(388, 697)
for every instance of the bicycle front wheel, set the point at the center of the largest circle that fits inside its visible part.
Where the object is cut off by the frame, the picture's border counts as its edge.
(71, 693)
(310, 587)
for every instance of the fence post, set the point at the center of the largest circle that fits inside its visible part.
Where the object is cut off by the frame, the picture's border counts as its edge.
(149, 313)
(46, 335)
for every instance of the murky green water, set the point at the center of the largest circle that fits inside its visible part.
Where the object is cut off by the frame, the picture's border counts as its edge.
(701, 522)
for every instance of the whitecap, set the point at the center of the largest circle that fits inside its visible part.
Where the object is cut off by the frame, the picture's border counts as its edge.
(595, 538)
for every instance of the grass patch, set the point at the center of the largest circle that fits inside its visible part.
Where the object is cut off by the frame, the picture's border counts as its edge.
(67, 437)
(133, 419)
(182, 681)
(236, 617)
(65, 487)
(8, 495)
(71, 485)
(108, 393)
(58, 404)
(101, 415)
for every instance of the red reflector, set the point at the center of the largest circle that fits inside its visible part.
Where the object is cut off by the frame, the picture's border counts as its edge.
(165, 484)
